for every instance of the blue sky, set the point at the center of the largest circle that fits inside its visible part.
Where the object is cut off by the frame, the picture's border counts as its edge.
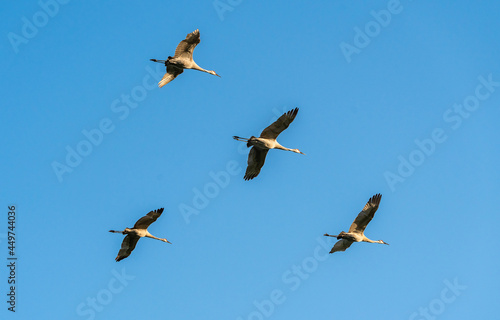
(398, 98)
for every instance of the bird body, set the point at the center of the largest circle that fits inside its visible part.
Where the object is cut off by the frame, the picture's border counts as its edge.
(141, 233)
(263, 143)
(267, 140)
(140, 230)
(182, 59)
(357, 229)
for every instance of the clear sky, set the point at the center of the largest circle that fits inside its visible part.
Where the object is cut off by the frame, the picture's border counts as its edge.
(398, 98)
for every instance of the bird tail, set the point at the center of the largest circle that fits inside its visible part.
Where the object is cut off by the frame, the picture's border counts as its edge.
(248, 143)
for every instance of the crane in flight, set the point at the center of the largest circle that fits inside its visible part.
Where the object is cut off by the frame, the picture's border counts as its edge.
(139, 230)
(357, 229)
(182, 59)
(267, 140)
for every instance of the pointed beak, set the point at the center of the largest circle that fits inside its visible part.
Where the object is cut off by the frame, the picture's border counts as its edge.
(169, 242)
(386, 243)
(218, 75)
(302, 152)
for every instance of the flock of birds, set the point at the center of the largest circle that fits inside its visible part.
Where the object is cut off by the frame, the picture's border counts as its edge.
(183, 59)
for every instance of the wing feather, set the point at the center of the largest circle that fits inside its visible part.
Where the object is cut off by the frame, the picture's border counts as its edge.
(273, 131)
(256, 159)
(172, 73)
(128, 245)
(341, 245)
(147, 220)
(366, 215)
(186, 47)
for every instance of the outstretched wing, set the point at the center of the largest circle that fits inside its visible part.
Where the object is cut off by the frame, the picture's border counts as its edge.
(172, 73)
(256, 159)
(186, 47)
(341, 245)
(273, 131)
(366, 215)
(144, 222)
(128, 245)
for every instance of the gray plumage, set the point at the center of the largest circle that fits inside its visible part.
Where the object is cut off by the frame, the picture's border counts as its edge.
(267, 140)
(357, 229)
(182, 59)
(138, 231)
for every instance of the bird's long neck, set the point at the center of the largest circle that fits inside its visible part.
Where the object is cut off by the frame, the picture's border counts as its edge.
(197, 67)
(149, 235)
(279, 146)
(365, 239)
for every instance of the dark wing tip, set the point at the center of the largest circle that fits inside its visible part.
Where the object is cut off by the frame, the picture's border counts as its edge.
(248, 177)
(159, 210)
(376, 199)
(196, 34)
(292, 113)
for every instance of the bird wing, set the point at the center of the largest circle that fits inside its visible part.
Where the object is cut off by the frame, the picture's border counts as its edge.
(341, 245)
(186, 47)
(128, 245)
(273, 131)
(256, 159)
(366, 215)
(172, 73)
(144, 222)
